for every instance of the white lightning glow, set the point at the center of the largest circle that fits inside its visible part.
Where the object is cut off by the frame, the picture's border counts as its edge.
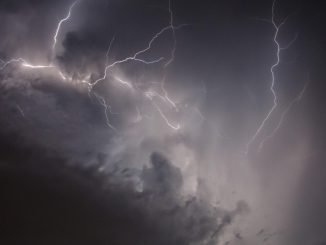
(28, 65)
(37, 66)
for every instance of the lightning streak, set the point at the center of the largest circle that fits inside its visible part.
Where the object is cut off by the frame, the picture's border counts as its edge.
(109, 48)
(166, 96)
(150, 95)
(107, 108)
(174, 37)
(277, 28)
(135, 57)
(125, 83)
(171, 125)
(6, 63)
(157, 35)
(285, 112)
(60, 23)
(24, 63)
(132, 58)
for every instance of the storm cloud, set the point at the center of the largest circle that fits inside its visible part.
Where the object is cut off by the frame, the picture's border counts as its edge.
(160, 148)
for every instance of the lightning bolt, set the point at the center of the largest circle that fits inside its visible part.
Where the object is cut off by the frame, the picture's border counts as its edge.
(132, 58)
(150, 95)
(157, 35)
(24, 63)
(174, 37)
(135, 58)
(165, 99)
(166, 96)
(170, 124)
(55, 37)
(109, 48)
(285, 112)
(125, 83)
(136, 55)
(277, 28)
(107, 108)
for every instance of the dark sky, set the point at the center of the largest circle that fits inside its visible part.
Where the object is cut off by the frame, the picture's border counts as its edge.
(181, 144)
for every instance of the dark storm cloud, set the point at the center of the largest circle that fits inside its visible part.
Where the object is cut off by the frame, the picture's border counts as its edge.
(60, 206)
(16, 5)
(68, 205)
(54, 115)
(48, 142)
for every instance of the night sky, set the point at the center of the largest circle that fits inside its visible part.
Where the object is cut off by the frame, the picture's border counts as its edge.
(162, 123)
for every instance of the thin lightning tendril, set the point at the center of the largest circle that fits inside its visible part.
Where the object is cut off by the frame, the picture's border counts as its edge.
(285, 112)
(125, 83)
(151, 95)
(132, 58)
(171, 125)
(107, 108)
(109, 49)
(277, 28)
(174, 37)
(135, 57)
(166, 96)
